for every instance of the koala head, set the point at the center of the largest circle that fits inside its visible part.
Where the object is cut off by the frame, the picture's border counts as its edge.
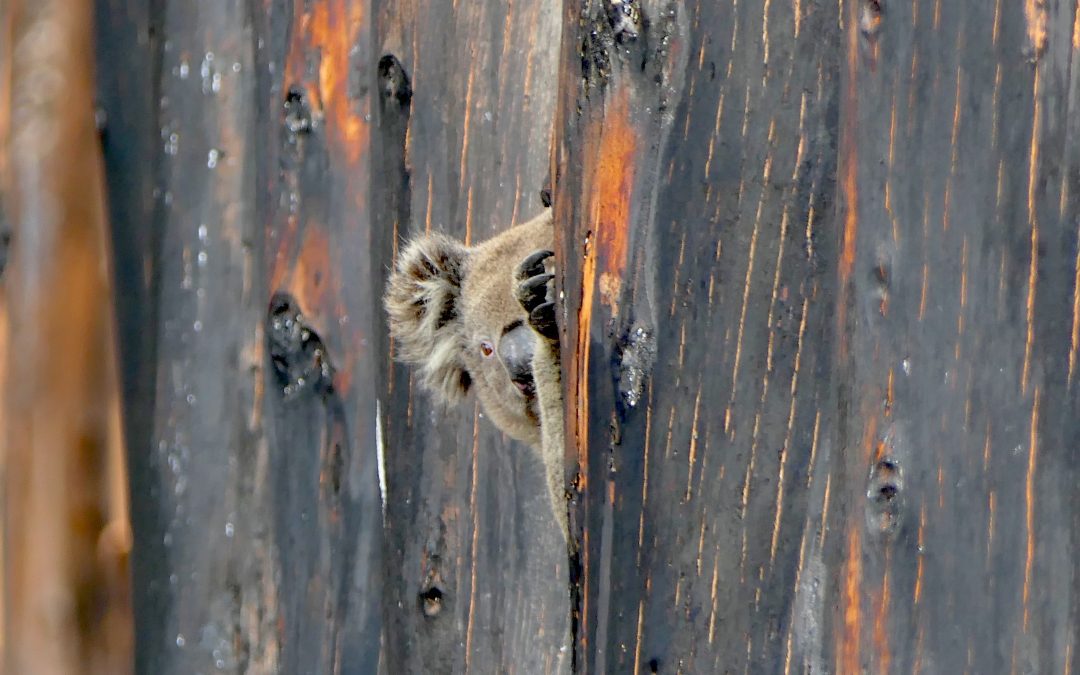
(453, 313)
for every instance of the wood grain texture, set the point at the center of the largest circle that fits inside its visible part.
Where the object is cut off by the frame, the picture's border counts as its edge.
(257, 514)
(699, 471)
(960, 303)
(265, 160)
(476, 569)
(844, 239)
(821, 333)
(207, 568)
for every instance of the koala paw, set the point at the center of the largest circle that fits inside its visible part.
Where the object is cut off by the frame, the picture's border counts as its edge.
(534, 292)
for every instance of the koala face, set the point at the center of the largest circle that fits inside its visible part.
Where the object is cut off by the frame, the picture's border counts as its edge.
(454, 312)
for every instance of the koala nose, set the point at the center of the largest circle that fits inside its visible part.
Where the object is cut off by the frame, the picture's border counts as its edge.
(516, 353)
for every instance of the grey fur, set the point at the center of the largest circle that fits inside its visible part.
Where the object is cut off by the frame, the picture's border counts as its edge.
(444, 299)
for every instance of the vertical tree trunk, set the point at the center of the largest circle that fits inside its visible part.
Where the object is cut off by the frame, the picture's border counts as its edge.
(476, 569)
(957, 339)
(259, 517)
(66, 534)
(264, 163)
(820, 394)
(820, 333)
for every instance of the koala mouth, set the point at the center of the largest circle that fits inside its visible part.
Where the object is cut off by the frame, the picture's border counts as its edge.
(525, 384)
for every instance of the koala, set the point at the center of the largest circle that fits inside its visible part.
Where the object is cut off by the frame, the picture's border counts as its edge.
(481, 318)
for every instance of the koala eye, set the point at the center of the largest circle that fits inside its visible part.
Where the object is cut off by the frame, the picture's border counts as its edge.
(486, 348)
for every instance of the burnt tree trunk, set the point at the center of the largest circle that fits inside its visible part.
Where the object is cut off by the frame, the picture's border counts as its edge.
(264, 162)
(237, 145)
(476, 567)
(820, 333)
(822, 284)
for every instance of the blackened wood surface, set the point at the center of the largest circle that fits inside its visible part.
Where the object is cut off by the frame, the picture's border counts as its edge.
(128, 59)
(822, 319)
(251, 423)
(957, 324)
(264, 161)
(468, 532)
(820, 333)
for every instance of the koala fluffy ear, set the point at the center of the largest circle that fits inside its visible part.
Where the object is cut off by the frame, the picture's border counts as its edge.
(423, 302)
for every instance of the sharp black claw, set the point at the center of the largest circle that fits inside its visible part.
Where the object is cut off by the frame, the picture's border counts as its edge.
(534, 264)
(533, 291)
(542, 319)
